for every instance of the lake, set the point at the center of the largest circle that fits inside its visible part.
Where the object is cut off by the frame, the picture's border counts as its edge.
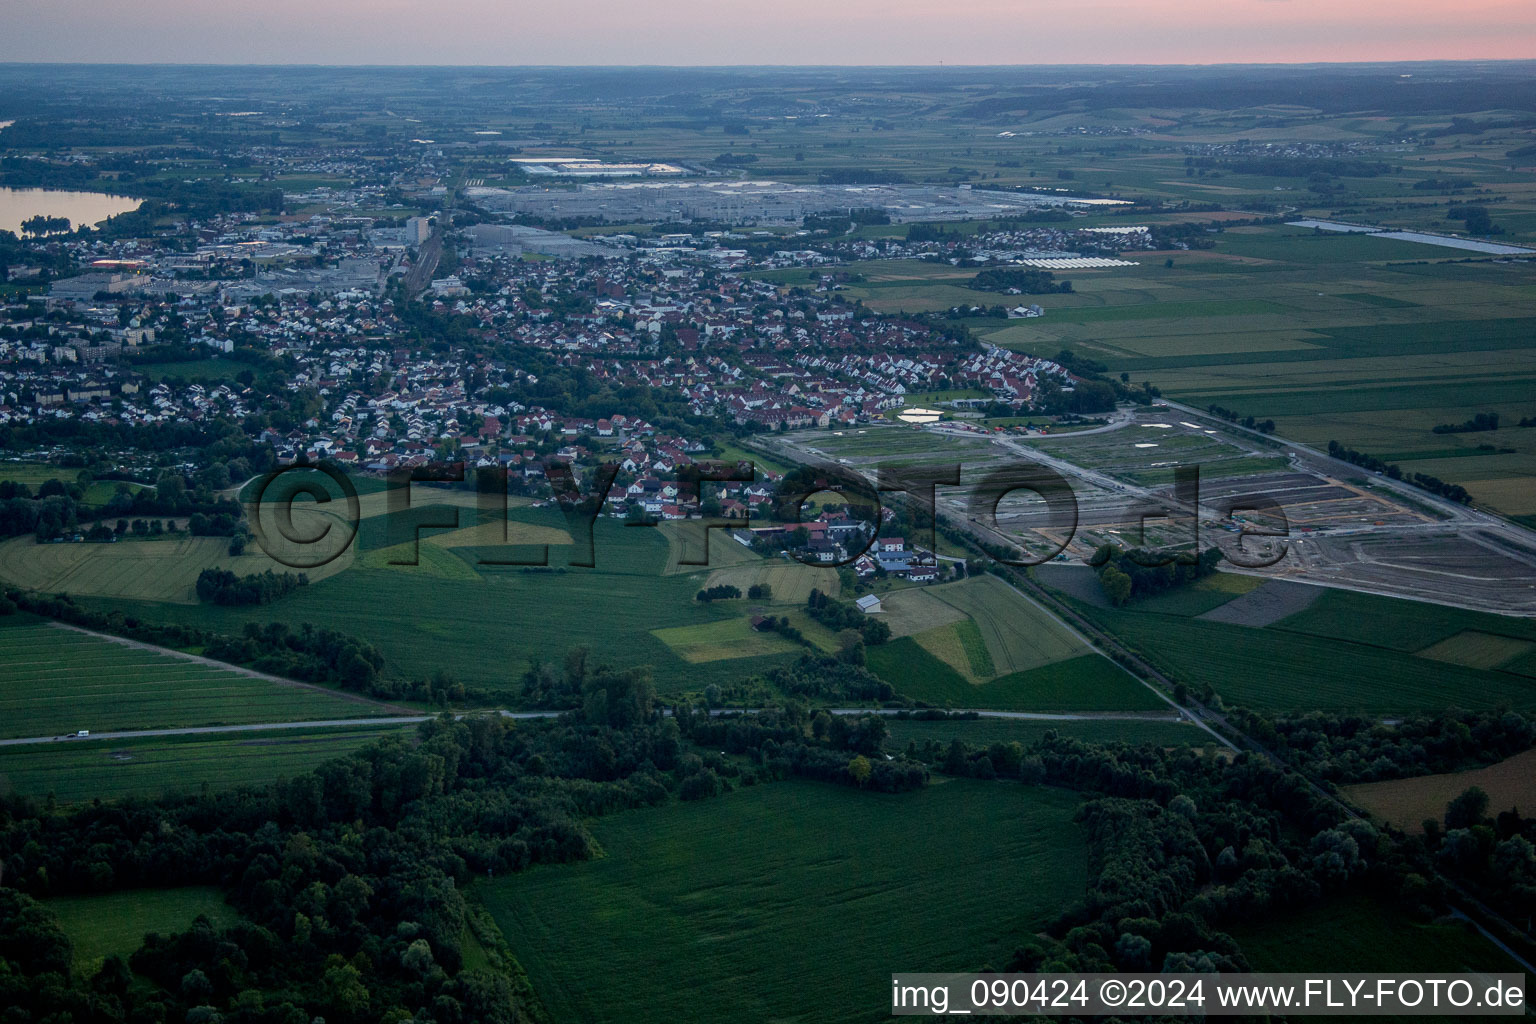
(17, 204)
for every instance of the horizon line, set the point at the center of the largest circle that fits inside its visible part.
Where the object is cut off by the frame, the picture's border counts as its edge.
(10, 62)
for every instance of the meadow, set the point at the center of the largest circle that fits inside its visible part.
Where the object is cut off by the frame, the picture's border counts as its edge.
(789, 582)
(985, 731)
(856, 883)
(979, 643)
(1089, 682)
(1201, 596)
(722, 640)
(483, 624)
(160, 569)
(60, 680)
(34, 473)
(1341, 667)
(105, 924)
(1354, 932)
(83, 770)
(1017, 634)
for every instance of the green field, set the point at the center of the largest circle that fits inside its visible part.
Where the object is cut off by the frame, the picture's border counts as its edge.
(160, 569)
(1088, 682)
(1018, 634)
(60, 680)
(1356, 933)
(80, 770)
(1279, 668)
(855, 883)
(1201, 596)
(960, 646)
(985, 731)
(722, 640)
(981, 644)
(1327, 335)
(1398, 624)
(34, 473)
(116, 922)
(481, 624)
(790, 583)
(689, 541)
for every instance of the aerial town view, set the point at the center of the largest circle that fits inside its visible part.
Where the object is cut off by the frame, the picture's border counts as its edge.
(801, 515)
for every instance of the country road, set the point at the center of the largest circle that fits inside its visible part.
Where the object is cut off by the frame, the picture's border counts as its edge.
(395, 721)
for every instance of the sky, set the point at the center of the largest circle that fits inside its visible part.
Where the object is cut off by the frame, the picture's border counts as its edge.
(727, 32)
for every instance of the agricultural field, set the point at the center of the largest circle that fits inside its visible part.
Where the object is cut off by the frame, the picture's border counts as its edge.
(83, 770)
(960, 645)
(159, 569)
(790, 582)
(1283, 668)
(1399, 625)
(722, 640)
(1354, 932)
(1368, 341)
(482, 624)
(1018, 635)
(1479, 650)
(706, 887)
(980, 643)
(1088, 682)
(115, 923)
(34, 473)
(1270, 602)
(916, 610)
(1156, 731)
(1202, 596)
(688, 541)
(61, 680)
(1407, 803)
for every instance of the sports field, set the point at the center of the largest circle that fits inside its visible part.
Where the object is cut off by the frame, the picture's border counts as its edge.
(59, 680)
(854, 882)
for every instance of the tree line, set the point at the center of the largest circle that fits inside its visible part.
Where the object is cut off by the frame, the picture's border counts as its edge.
(1124, 575)
(1025, 280)
(1434, 485)
(220, 586)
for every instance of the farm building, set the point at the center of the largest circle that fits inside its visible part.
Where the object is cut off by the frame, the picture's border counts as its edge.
(869, 604)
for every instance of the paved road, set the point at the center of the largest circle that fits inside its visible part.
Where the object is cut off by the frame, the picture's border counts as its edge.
(398, 721)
